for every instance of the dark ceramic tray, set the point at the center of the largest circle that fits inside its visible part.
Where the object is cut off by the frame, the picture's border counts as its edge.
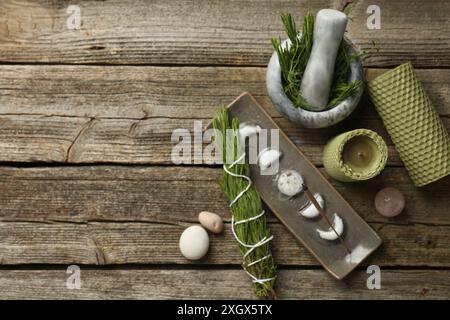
(358, 235)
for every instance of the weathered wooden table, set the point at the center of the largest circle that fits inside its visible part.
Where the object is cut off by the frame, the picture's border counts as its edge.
(86, 177)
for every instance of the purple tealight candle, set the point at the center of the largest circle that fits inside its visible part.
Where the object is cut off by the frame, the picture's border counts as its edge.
(389, 202)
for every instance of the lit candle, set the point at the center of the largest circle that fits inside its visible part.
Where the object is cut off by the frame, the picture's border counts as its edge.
(389, 202)
(356, 155)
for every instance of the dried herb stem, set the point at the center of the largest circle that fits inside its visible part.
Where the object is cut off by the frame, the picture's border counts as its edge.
(249, 205)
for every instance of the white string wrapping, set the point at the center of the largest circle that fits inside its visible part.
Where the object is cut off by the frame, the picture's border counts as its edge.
(261, 242)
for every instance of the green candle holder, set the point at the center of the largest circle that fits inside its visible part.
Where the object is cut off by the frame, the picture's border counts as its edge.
(355, 155)
(413, 124)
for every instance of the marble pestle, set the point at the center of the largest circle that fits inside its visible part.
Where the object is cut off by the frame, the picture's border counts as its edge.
(329, 28)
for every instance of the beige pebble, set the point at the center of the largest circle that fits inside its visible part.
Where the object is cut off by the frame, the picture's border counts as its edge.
(211, 221)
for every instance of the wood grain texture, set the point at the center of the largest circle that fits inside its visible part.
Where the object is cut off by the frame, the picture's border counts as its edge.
(117, 214)
(55, 108)
(177, 194)
(210, 32)
(80, 114)
(220, 284)
(104, 243)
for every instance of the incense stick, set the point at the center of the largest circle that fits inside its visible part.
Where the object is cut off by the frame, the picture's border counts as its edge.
(322, 213)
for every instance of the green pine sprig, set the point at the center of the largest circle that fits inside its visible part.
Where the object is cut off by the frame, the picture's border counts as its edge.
(247, 206)
(293, 61)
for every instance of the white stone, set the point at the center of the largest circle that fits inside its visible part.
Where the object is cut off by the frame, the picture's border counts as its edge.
(268, 157)
(194, 243)
(247, 130)
(290, 183)
(329, 28)
(310, 211)
(329, 234)
(211, 221)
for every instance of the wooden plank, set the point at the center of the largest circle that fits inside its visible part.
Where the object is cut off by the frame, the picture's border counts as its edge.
(173, 194)
(219, 284)
(111, 215)
(106, 243)
(111, 193)
(146, 141)
(127, 114)
(141, 92)
(29, 138)
(212, 32)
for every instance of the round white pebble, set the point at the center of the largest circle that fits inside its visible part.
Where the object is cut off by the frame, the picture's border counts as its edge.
(331, 234)
(194, 243)
(290, 182)
(268, 157)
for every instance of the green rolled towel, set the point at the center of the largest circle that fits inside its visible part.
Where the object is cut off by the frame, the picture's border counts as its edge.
(413, 124)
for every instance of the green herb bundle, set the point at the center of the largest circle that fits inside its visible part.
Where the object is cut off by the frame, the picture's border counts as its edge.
(249, 205)
(294, 58)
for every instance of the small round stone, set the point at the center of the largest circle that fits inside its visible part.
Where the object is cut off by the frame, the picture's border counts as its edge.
(194, 243)
(290, 182)
(211, 221)
(389, 202)
(268, 157)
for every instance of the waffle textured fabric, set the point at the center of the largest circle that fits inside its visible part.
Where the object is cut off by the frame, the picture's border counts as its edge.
(413, 124)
